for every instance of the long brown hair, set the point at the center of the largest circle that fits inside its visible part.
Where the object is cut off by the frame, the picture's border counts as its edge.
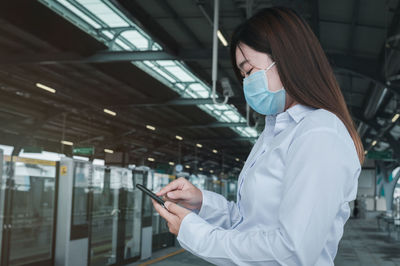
(303, 67)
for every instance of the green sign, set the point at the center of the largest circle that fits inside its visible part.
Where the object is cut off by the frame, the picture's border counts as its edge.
(83, 150)
(379, 155)
(32, 149)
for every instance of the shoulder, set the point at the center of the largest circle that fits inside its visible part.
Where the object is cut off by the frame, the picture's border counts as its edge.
(323, 121)
(320, 118)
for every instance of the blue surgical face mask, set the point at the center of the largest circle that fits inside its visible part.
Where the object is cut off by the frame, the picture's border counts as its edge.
(259, 96)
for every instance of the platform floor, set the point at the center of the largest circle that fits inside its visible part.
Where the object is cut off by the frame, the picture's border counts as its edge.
(362, 245)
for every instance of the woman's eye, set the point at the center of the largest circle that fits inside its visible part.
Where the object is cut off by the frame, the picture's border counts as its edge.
(248, 72)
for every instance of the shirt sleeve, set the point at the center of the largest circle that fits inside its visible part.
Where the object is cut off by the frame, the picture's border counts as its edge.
(218, 211)
(319, 167)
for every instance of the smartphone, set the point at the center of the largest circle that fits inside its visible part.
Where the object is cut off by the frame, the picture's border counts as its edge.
(151, 194)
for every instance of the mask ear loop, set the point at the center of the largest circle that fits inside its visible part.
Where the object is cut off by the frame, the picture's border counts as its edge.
(270, 66)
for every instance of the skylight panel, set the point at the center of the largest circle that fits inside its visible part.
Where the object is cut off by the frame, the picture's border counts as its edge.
(165, 75)
(200, 90)
(80, 14)
(209, 107)
(180, 74)
(166, 63)
(203, 94)
(240, 129)
(103, 12)
(109, 34)
(122, 44)
(251, 132)
(156, 47)
(136, 39)
(232, 116)
(191, 93)
(180, 86)
(221, 107)
(149, 64)
(224, 118)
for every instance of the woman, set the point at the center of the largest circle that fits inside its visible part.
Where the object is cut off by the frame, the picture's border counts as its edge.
(295, 186)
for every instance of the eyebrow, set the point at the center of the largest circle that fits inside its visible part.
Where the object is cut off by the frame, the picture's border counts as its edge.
(240, 66)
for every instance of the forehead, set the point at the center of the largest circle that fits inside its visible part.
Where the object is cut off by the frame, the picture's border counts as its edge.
(245, 52)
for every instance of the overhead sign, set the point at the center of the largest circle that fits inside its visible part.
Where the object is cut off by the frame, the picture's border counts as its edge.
(83, 150)
(32, 149)
(380, 155)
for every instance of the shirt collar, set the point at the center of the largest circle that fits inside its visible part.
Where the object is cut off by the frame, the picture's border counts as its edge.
(298, 112)
(278, 122)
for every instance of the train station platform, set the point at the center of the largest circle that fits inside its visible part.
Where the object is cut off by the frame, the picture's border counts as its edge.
(362, 244)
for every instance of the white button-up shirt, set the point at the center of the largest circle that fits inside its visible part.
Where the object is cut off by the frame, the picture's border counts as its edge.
(292, 200)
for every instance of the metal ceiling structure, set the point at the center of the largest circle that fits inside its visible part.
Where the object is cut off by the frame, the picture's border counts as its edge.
(150, 63)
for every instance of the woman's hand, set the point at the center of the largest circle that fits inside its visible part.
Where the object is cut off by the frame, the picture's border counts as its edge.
(173, 213)
(183, 192)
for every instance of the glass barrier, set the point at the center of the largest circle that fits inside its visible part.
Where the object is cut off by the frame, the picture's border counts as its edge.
(161, 235)
(31, 209)
(101, 217)
(80, 200)
(232, 190)
(3, 176)
(147, 206)
(131, 209)
(224, 188)
(202, 181)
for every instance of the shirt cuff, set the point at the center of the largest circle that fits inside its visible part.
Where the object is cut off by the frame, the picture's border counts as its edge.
(206, 203)
(186, 237)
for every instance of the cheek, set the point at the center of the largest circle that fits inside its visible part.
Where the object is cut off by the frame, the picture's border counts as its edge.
(274, 82)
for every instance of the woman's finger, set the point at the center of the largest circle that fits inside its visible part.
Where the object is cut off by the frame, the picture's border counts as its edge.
(176, 209)
(176, 184)
(178, 194)
(163, 212)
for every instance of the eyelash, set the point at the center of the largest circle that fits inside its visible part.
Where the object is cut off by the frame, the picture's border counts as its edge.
(248, 72)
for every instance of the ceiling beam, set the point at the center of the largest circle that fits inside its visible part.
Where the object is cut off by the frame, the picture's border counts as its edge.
(212, 125)
(175, 102)
(216, 140)
(362, 65)
(110, 56)
(356, 8)
(315, 17)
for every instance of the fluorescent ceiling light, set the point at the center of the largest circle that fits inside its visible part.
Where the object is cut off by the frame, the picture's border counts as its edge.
(110, 112)
(222, 38)
(199, 145)
(151, 159)
(178, 137)
(108, 151)
(65, 142)
(395, 117)
(171, 163)
(46, 88)
(187, 166)
(211, 171)
(150, 127)
(201, 169)
(215, 151)
(365, 152)
(237, 159)
(374, 143)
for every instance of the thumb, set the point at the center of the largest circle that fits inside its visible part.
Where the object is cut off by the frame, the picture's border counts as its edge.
(178, 194)
(176, 209)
